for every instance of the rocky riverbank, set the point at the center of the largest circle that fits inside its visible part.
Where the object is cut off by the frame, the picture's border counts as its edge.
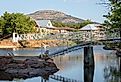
(27, 68)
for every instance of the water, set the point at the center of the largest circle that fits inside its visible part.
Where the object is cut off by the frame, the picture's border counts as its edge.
(28, 51)
(71, 64)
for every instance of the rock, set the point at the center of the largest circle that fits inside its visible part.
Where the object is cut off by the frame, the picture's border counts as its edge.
(51, 64)
(34, 63)
(5, 60)
(12, 71)
(27, 68)
(5, 76)
(17, 61)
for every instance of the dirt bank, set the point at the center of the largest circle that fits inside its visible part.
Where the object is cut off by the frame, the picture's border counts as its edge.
(34, 43)
(9, 44)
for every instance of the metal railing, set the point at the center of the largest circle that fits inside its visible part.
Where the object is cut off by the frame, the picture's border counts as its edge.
(81, 36)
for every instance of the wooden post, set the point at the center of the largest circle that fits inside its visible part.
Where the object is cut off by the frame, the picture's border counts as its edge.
(88, 56)
(88, 64)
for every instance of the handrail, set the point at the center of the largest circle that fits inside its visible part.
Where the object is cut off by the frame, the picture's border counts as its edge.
(63, 79)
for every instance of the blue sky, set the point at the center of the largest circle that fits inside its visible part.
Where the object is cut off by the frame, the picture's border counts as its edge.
(85, 9)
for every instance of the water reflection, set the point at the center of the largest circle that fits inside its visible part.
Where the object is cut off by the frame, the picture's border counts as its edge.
(88, 73)
(9, 77)
(89, 64)
(71, 65)
(112, 72)
(28, 51)
(119, 64)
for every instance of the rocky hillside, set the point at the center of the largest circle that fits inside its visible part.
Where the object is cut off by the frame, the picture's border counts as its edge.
(55, 16)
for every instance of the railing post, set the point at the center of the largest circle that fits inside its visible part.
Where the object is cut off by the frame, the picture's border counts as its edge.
(15, 37)
(88, 64)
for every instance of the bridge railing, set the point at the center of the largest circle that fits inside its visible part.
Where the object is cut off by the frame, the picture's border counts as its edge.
(63, 79)
(112, 34)
(81, 36)
(31, 36)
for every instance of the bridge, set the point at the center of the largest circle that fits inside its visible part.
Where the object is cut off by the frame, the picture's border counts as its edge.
(85, 37)
(80, 36)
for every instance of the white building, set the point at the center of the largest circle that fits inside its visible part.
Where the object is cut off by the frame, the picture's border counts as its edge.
(90, 27)
(44, 26)
(94, 31)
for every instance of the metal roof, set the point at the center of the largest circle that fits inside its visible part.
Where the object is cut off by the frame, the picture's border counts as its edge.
(90, 27)
(44, 23)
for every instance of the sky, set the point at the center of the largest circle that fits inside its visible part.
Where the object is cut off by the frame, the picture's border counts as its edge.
(84, 9)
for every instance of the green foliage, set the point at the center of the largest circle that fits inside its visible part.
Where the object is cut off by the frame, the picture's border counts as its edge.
(114, 15)
(58, 24)
(71, 25)
(85, 23)
(1, 26)
(16, 22)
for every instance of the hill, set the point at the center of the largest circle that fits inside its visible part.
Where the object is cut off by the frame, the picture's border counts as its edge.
(55, 16)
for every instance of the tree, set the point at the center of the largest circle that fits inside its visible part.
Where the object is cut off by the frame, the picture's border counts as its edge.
(114, 15)
(1, 26)
(16, 22)
(85, 23)
(71, 25)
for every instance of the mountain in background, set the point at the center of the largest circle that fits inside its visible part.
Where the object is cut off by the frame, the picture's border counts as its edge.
(55, 16)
